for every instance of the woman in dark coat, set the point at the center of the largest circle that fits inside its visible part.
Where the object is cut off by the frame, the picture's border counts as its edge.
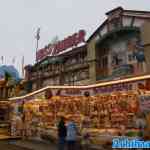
(62, 132)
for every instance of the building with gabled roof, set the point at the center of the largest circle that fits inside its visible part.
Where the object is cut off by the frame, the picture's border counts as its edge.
(116, 47)
(115, 50)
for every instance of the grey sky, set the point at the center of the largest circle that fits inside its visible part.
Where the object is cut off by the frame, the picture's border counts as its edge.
(20, 19)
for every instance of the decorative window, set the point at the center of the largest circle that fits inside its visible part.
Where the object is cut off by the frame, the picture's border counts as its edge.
(103, 62)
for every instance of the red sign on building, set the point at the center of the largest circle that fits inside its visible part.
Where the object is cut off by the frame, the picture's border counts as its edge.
(61, 46)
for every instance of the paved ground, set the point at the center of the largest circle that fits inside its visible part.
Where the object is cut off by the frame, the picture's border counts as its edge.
(34, 145)
(5, 145)
(37, 145)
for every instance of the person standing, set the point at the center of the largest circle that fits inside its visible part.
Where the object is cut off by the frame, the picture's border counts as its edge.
(62, 132)
(71, 135)
(140, 123)
(13, 125)
(85, 142)
(19, 124)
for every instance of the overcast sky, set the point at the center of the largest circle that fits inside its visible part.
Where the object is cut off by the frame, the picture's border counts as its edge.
(19, 20)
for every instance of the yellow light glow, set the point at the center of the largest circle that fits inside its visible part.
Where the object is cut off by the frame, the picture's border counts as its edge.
(132, 79)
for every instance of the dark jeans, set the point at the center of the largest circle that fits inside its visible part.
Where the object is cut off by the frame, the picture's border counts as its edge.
(61, 143)
(71, 145)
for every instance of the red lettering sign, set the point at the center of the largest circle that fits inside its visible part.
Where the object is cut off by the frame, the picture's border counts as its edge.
(61, 46)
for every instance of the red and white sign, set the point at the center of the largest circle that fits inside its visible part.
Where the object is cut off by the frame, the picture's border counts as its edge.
(61, 46)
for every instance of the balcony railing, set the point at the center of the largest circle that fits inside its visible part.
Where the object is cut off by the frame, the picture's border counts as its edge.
(48, 73)
(76, 66)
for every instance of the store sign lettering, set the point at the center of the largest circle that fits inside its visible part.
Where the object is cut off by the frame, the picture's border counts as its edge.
(114, 88)
(121, 87)
(61, 46)
(128, 86)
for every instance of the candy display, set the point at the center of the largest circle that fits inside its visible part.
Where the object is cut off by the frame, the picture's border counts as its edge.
(102, 114)
(102, 111)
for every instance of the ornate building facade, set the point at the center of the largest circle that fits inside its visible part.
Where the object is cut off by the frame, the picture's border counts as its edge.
(119, 48)
(70, 68)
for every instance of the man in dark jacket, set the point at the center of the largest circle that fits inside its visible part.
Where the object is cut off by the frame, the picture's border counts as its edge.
(62, 132)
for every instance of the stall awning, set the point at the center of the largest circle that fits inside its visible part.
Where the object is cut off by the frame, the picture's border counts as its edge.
(55, 60)
(45, 62)
(51, 60)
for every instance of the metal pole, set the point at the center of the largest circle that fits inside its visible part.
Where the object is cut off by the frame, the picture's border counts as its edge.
(37, 41)
(73, 78)
(37, 45)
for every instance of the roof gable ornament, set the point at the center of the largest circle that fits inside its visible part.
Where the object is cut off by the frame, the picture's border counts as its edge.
(115, 13)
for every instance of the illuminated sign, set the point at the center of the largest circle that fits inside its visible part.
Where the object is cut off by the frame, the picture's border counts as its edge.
(140, 82)
(61, 46)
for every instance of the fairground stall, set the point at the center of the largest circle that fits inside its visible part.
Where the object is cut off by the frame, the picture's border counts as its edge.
(4, 119)
(4, 109)
(105, 110)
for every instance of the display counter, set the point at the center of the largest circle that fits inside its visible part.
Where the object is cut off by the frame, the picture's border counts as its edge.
(97, 136)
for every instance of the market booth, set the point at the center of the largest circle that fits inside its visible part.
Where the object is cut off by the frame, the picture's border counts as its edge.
(106, 110)
(4, 119)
